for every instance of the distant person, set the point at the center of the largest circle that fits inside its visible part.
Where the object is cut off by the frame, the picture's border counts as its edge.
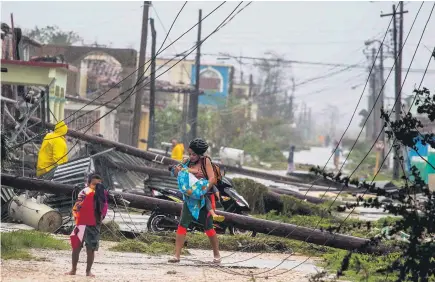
(177, 150)
(89, 212)
(322, 140)
(337, 152)
(290, 160)
(53, 151)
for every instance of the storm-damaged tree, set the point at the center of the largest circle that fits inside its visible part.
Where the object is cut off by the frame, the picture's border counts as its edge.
(274, 83)
(53, 35)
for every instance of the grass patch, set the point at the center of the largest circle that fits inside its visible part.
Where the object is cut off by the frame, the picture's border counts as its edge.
(294, 206)
(253, 192)
(154, 248)
(110, 231)
(239, 243)
(15, 245)
(353, 227)
(362, 267)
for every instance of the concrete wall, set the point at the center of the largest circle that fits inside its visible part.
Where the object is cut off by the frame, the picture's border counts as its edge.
(106, 126)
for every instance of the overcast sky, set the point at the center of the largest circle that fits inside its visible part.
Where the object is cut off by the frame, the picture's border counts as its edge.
(330, 32)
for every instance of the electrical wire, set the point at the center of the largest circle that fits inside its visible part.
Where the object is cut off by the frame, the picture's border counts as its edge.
(375, 140)
(89, 103)
(340, 141)
(132, 88)
(298, 62)
(226, 21)
(172, 25)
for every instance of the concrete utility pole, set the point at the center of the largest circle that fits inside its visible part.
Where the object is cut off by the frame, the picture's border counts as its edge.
(379, 124)
(398, 74)
(251, 85)
(374, 96)
(193, 104)
(137, 114)
(291, 109)
(151, 128)
(309, 124)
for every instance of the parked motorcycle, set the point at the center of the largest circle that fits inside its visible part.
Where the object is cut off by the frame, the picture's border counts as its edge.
(230, 201)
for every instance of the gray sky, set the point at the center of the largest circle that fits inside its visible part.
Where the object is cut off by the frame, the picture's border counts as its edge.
(331, 32)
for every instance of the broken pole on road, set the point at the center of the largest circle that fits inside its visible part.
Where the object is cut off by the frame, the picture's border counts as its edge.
(290, 231)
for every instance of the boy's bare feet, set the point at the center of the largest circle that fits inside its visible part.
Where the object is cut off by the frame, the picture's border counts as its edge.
(89, 274)
(72, 272)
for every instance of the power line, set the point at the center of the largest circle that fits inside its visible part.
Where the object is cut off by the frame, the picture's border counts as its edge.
(335, 148)
(193, 49)
(119, 95)
(361, 131)
(312, 63)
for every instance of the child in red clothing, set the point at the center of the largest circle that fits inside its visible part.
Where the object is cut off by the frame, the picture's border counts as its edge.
(89, 211)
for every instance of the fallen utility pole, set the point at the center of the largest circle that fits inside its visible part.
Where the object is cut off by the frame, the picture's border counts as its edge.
(291, 231)
(133, 151)
(274, 193)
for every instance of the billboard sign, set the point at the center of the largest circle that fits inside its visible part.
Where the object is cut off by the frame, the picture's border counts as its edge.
(214, 81)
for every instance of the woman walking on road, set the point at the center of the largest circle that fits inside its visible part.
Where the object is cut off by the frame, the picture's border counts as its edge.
(201, 167)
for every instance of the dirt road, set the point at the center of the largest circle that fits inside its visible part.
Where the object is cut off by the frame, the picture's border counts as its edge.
(115, 266)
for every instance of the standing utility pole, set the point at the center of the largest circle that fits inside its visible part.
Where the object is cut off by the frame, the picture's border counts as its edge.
(374, 102)
(137, 114)
(309, 124)
(291, 110)
(151, 128)
(193, 104)
(251, 85)
(381, 83)
(398, 77)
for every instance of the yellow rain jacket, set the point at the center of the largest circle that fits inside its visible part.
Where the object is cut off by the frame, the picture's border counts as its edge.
(177, 152)
(54, 150)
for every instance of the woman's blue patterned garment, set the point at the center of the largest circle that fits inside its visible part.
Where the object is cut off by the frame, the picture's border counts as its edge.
(193, 192)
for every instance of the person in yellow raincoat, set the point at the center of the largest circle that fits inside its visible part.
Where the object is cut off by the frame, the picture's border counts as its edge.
(177, 150)
(54, 150)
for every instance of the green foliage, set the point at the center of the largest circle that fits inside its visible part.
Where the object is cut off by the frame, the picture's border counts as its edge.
(242, 243)
(15, 245)
(362, 267)
(416, 260)
(110, 231)
(168, 125)
(53, 35)
(253, 192)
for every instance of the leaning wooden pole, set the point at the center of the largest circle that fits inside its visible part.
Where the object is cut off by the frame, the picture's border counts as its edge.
(245, 222)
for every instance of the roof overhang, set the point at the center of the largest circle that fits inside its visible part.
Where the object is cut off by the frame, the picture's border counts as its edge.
(33, 73)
